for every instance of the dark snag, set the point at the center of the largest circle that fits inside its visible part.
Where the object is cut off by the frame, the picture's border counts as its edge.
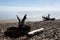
(21, 23)
(47, 18)
(16, 32)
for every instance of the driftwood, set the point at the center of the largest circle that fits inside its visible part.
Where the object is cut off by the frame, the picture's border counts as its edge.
(47, 18)
(16, 32)
(35, 32)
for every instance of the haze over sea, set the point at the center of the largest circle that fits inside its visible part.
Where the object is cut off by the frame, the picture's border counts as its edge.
(34, 9)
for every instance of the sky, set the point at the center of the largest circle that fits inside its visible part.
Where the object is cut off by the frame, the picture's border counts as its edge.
(33, 8)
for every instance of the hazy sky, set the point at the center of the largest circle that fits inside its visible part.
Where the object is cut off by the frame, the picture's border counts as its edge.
(34, 8)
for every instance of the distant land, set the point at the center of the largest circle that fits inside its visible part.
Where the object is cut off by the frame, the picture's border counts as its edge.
(15, 20)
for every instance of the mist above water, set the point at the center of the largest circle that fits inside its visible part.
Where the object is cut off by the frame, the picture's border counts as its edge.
(31, 15)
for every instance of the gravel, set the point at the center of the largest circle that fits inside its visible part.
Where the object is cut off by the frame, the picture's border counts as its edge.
(51, 32)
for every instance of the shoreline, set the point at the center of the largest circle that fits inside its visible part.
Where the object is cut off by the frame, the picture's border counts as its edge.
(15, 20)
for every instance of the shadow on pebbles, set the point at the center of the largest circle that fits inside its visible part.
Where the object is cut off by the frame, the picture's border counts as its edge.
(51, 32)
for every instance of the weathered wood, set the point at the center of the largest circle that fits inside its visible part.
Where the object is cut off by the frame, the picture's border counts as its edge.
(16, 32)
(47, 18)
(35, 32)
